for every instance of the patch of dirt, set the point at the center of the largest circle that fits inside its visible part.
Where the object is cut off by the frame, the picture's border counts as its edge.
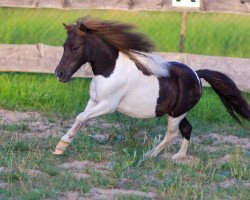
(231, 139)
(85, 164)
(30, 172)
(125, 181)
(78, 167)
(3, 184)
(247, 185)
(228, 184)
(15, 117)
(216, 148)
(190, 160)
(35, 172)
(3, 169)
(72, 196)
(110, 194)
(38, 126)
(223, 159)
(100, 137)
(107, 194)
(80, 175)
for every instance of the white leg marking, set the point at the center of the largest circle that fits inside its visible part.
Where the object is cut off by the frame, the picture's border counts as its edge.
(77, 125)
(182, 153)
(172, 132)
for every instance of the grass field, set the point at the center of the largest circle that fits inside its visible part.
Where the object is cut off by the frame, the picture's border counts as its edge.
(28, 170)
(211, 34)
(218, 167)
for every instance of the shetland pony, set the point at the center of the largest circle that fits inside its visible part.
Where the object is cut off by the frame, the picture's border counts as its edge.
(130, 78)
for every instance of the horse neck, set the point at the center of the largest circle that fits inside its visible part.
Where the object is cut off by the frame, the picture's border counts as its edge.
(103, 56)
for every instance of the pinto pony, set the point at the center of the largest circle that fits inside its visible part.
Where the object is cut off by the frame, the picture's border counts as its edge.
(131, 79)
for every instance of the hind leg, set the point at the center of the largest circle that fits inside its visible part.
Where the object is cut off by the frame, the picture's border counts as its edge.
(185, 129)
(172, 132)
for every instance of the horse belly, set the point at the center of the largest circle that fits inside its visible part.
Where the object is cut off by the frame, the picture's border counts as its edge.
(141, 100)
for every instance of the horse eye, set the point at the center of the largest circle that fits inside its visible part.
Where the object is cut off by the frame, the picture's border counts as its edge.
(75, 48)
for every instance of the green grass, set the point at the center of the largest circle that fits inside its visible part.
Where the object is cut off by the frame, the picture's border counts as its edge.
(218, 34)
(14, 127)
(211, 34)
(36, 92)
(168, 179)
(42, 92)
(20, 91)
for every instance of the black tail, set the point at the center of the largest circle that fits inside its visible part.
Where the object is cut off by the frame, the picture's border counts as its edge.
(228, 92)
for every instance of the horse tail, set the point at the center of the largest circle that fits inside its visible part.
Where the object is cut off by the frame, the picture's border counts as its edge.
(229, 93)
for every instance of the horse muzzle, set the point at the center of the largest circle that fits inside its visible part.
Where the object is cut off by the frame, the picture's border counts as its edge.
(62, 76)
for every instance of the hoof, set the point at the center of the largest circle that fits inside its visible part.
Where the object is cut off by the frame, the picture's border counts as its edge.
(178, 156)
(60, 147)
(58, 152)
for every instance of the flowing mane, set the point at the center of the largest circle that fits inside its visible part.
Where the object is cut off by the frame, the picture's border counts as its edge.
(123, 37)
(120, 35)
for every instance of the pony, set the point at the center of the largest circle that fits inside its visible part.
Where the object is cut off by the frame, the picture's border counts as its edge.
(130, 78)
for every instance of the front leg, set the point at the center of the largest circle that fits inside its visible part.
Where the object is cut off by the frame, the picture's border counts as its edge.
(91, 110)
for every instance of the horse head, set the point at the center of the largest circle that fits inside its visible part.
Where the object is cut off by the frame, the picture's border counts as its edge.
(76, 52)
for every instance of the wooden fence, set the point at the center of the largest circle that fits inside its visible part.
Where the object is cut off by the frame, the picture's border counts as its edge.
(44, 59)
(237, 6)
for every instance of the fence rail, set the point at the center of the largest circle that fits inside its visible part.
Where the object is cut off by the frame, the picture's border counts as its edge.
(238, 6)
(42, 58)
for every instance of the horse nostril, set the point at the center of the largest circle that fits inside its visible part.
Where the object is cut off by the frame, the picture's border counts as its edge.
(60, 74)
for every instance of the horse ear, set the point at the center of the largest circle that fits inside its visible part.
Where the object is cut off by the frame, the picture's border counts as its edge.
(68, 28)
(84, 28)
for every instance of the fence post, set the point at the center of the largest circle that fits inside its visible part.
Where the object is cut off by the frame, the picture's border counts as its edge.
(183, 31)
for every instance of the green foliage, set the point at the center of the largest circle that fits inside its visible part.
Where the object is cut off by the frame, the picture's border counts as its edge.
(207, 33)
